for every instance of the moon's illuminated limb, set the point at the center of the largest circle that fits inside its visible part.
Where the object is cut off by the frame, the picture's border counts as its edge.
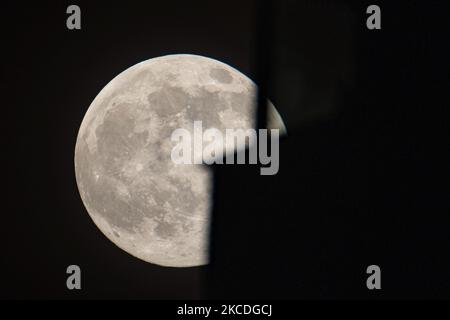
(147, 205)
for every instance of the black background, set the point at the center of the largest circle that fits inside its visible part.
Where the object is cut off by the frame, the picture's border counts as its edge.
(363, 173)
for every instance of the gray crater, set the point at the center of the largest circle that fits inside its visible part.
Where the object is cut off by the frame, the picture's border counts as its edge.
(221, 75)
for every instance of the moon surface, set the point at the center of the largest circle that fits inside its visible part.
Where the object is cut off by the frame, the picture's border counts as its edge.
(143, 202)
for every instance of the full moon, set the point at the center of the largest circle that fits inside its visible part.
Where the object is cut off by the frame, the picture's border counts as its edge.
(137, 196)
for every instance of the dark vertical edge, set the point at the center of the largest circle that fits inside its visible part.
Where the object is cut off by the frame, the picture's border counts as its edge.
(261, 55)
